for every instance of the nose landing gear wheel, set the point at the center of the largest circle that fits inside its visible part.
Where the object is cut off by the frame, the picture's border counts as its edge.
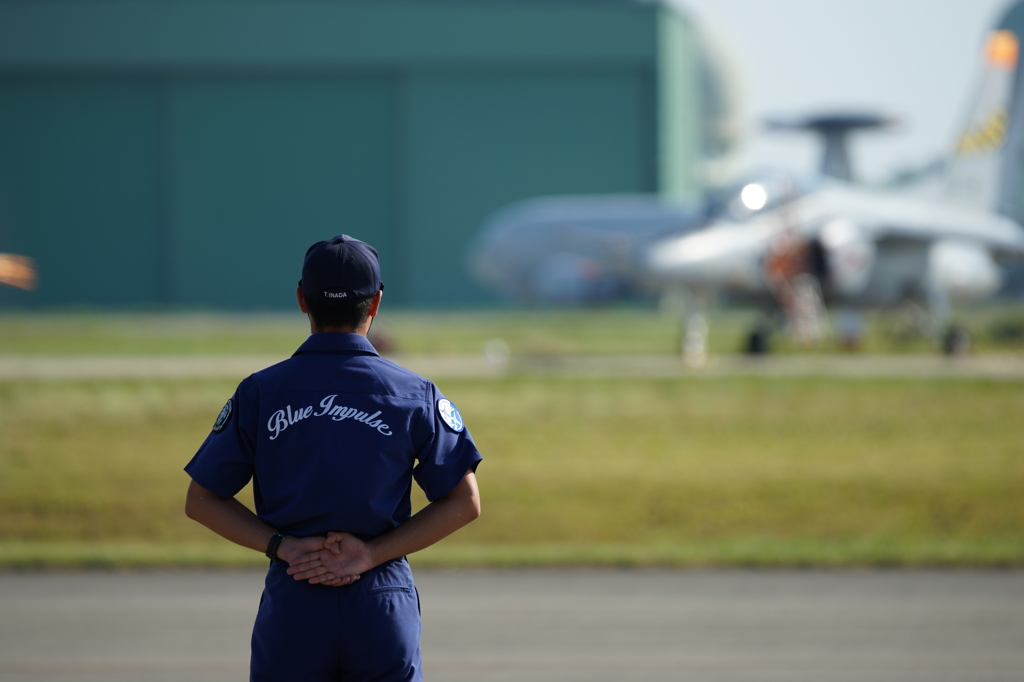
(956, 341)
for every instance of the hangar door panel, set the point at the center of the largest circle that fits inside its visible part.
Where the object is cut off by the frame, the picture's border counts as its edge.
(263, 168)
(78, 188)
(479, 142)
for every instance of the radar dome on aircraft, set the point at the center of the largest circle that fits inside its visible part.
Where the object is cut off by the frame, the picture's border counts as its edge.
(835, 129)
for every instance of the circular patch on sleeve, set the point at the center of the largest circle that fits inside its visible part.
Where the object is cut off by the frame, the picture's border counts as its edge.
(223, 417)
(450, 415)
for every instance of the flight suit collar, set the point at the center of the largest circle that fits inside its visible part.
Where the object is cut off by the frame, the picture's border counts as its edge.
(336, 343)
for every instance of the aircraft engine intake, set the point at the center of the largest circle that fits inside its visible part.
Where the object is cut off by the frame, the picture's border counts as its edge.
(963, 270)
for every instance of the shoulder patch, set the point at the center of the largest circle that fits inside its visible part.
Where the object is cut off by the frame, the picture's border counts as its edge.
(450, 415)
(223, 417)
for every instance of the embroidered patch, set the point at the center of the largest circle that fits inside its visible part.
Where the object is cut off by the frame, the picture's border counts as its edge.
(222, 418)
(450, 415)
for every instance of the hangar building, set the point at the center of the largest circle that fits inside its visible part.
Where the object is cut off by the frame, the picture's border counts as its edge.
(183, 153)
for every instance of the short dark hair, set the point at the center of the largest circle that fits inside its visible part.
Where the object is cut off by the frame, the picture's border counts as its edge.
(334, 314)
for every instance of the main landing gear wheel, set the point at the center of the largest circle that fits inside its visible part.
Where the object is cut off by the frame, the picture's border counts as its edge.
(757, 342)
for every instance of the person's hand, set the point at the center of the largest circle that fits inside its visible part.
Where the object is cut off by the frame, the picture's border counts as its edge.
(293, 548)
(341, 561)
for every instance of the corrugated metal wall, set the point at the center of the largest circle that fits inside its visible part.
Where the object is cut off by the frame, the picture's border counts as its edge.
(192, 168)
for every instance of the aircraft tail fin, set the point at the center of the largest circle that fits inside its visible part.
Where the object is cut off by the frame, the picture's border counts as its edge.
(986, 158)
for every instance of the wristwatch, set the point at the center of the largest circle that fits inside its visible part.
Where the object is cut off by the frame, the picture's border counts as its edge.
(275, 542)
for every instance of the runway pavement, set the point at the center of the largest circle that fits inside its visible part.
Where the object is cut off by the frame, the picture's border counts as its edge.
(1005, 366)
(547, 626)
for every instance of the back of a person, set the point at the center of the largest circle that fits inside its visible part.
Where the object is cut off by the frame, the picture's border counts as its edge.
(332, 439)
(338, 437)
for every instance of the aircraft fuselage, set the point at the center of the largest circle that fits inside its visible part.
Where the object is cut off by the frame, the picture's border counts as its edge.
(865, 248)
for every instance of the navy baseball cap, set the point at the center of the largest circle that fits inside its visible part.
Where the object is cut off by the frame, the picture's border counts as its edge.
(340, 269)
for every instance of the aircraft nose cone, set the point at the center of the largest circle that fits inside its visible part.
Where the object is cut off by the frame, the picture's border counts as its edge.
(724, 255)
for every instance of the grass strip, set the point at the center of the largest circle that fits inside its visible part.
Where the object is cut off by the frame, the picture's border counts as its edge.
(605, 472)
(33, 555)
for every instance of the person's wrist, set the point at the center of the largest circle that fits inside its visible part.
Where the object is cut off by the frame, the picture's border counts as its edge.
(376, 552)
(283, 549)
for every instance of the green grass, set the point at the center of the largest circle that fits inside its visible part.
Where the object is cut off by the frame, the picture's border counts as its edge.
(596, 472)
(528, 333)
(149, 334)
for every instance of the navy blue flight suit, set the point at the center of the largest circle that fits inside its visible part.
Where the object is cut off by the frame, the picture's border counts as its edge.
(332, 439)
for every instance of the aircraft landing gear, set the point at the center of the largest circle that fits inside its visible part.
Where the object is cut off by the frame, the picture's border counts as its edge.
(695, 340)
(758, 341)
(956, 341)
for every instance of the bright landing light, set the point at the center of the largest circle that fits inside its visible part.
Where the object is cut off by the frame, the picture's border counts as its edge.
(754, 197)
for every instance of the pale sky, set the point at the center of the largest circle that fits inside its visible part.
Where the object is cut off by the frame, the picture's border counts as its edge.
(917, 59)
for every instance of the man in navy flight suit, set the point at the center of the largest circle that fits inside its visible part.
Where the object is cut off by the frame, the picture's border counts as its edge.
(332, 439)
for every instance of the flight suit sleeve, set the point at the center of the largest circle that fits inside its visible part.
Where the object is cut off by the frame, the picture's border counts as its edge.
(224, 462)
(448, 451)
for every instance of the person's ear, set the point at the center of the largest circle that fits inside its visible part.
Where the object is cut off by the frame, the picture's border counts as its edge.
(375, 303)
(300, 296)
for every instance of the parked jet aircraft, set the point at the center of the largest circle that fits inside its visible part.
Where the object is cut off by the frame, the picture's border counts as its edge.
(938, 242)
(791, 244)
(574, 250)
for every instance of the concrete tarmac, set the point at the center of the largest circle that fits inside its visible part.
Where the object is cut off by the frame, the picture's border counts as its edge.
(1004, 367)
(547, 626)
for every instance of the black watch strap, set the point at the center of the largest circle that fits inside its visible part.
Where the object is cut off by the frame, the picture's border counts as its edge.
(275, 542)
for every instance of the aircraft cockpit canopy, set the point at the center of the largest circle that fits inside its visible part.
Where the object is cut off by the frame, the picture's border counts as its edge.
(758, 193)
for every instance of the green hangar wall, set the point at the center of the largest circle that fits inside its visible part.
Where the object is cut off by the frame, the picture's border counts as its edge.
(184, 153)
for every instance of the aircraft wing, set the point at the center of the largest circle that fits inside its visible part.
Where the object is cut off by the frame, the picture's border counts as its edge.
(899, 217)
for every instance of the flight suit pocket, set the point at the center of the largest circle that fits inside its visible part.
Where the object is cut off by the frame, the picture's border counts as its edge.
(394, 576)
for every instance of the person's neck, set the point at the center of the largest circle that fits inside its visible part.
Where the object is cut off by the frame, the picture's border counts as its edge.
(361, 329)
(335, 330)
